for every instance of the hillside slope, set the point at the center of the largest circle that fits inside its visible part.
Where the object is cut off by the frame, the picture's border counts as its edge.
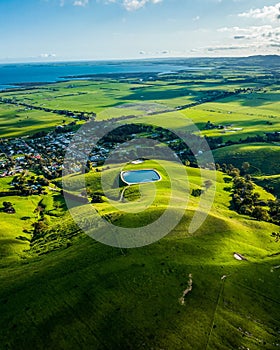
(88, 295)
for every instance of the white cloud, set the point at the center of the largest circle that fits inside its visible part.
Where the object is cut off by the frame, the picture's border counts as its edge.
(227, 48)
(80, 2)
(129, 5)
(271, 13)
(261, 34)
(254, 48)
(132, 5)
(265, 38)
(47, 55)
(197, 18)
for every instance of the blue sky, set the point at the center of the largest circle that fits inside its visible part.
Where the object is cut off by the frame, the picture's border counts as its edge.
(49, 30)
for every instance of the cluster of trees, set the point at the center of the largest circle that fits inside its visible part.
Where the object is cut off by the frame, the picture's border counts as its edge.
(28, 185)
(274, 211)
(41, 226)
(276, 235)
(245, 200)
(233, 171)
(185, 152)
(209, 125)
(8, 208)
(197, 192)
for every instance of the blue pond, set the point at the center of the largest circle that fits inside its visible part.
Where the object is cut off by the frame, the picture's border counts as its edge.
(140, 176)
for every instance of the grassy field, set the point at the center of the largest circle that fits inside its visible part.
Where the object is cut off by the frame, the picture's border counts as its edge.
(12, 226)
(245, 115)
(270, 182)
(241, 116)
(16, 229)
(263, 157)
(73, 297)
(17, 122)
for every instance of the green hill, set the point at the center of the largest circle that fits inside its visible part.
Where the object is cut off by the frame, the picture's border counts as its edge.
(85, 295)
(271, 183)
(263, 157)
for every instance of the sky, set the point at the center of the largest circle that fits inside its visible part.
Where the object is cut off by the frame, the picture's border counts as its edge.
(57, 30)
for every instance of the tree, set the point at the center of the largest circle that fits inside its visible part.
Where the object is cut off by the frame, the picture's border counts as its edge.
(256, 196)
(237, 201)
(197, 192)
(234, 172)
(43, 181)
(245, 166)
(39, 227)
(276, 235)
(246, 210)
(260, 214)
(218, 167)
(248, 177)
(8, 208)
(96, 198)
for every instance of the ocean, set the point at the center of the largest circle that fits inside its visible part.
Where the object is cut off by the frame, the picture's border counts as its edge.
(12, 74)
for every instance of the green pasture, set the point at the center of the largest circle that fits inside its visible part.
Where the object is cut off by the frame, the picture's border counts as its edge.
(243, 115)
(13, 240)
(16, 229)
(5, 183)
(84, 295)
(263, 157)
(18, 121)
(272, 183)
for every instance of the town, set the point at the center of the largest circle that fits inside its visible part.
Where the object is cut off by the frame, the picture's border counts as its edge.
(43, 153)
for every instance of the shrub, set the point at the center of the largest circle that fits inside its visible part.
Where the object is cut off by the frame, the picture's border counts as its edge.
(197, 192)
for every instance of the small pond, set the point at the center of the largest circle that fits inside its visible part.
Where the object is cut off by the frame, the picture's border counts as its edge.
(132, 177)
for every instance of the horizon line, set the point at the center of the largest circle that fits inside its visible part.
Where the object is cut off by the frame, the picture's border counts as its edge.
(25, 61)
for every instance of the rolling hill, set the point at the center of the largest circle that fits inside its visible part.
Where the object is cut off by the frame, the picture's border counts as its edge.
(82, 294)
